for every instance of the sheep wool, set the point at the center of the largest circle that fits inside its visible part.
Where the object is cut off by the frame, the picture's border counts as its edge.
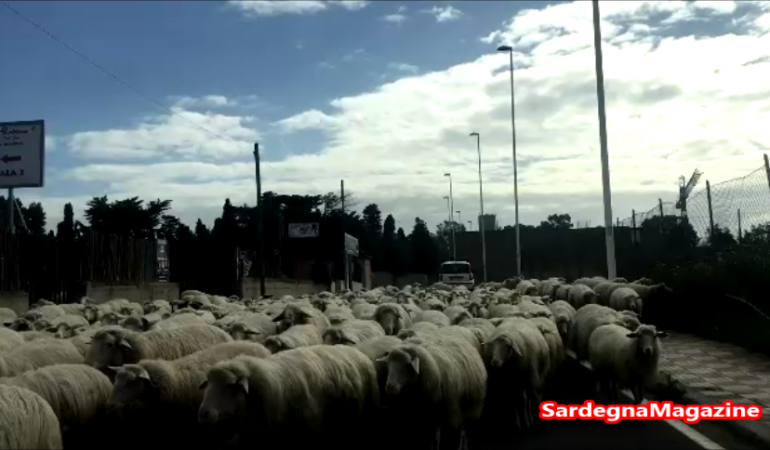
(295, 337)
(352, 332)
(10, 339)
(177, 321)
(437, 318)
(7, 316)
(77, 393)
(626, 299)
(254, 327)
(364, 311)
(591, 317)
(580, 295)
(457, 314)
(564, 315)
(393, 318)
(482, 328)
(305, 394)
(39, 353)
(301, 314)
(629, 359)
(27, 420)
(338, 314)
(115, 347)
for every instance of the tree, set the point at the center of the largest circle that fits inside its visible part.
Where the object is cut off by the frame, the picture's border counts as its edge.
(128, 217)
(66, 230)
(425, 257)
(557, 222)
(757, 235)
(444, 230)
(201, 231)
(721, 238)
(34, 217)
(677, 232)
(389, 228)
(373, 219)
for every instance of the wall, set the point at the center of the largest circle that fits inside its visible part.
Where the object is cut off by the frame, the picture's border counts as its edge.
(99, 292)
(279, 288)
(387, 279)
(18, 301)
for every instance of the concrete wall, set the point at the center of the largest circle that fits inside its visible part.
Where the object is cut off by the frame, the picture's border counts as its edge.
(278, 288)
(100, 293)
(18, 301)
(387, 279)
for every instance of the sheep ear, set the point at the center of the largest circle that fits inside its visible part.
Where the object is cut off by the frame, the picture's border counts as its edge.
(383, 358)
(145, 323)
(278, 318)
(113, 369)
(662, 334)
(244, 384)
(203, 385)
(632, 335)
(125, 344)
(516, 349)
(416, 364)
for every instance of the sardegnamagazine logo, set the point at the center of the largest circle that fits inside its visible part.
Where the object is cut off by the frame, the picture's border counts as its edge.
(689, 414)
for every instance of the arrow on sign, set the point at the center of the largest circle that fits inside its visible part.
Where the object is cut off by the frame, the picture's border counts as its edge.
(6, 159)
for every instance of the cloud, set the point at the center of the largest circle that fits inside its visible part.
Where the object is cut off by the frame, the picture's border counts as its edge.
(276, 8)
(674, 102)
(445, 14)
(402, 67)
(397, 17)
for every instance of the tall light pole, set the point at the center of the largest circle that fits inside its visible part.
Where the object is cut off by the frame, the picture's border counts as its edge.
(448, 211)
(459, 217)
(452, 216)
(481, 204)
(608, 230)
(509, 49)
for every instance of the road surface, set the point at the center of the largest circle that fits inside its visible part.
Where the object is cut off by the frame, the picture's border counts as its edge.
(626, 435)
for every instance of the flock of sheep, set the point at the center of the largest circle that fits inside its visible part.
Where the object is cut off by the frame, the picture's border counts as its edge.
(413, 367)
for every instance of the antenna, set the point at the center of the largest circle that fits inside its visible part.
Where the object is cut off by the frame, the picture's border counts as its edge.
(685, 189)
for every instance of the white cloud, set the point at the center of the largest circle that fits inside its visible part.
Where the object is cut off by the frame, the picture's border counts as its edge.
(394, 18)
(276, 8)
(211, 101)
(674, 103)
(445, 14)
(403, 67)
(51, 143)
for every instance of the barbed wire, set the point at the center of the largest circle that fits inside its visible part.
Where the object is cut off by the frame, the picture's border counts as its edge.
(737, 205)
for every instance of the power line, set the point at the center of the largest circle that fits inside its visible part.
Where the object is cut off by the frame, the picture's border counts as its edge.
(111, 74)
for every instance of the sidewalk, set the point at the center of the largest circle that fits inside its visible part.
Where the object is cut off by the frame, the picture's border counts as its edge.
(714, 372)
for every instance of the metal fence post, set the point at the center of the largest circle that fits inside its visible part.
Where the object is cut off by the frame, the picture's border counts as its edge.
(740, 230)
(660, 207)
(711, 209)
(633, 226)
(767, 170)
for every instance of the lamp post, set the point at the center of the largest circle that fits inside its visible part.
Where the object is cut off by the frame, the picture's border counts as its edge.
(481, 204)
(452, 216)
(459, 217)
(509, 49)
(608, 230)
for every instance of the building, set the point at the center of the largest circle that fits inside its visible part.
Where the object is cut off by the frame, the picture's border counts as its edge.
(489, 222)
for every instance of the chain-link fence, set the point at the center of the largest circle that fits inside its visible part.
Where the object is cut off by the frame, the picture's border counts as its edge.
(736, 205)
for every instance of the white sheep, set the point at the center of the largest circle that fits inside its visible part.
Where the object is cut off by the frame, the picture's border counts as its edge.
(27, 421)
(320, 395)
(580, 295)
(115, 347)
(7, 316)
(63, 327)
(392, 317)
(254, 327)
(626, 359)
(564, 315)
(591, 317)
(527, 287)
(457, 314)
(626, 299)
(295, 337)
(162, 397)
(516, 350)
(301, 314)
(352, 332)
(10, 339)
(77, 394)
(441, 381)
(338, 314)
(39, 353)
(437, 318)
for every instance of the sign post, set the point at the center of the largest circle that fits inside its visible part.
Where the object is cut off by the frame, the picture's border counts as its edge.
(22, 159)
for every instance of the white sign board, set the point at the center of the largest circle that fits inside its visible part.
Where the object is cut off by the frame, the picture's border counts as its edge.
(22, 154)
(303, 230)
(351, 245)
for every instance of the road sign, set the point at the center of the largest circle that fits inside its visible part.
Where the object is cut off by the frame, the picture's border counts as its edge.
(351, 245)
(22, 154)
(303, 230)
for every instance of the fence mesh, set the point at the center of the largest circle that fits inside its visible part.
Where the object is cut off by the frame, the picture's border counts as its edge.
(737, 205)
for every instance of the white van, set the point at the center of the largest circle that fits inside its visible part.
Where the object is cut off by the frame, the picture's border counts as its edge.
(456, 273)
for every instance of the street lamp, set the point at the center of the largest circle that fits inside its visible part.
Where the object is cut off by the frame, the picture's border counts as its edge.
(481, 204)
(608, 230)
(451, 216)
(459, 217)
(509, 49)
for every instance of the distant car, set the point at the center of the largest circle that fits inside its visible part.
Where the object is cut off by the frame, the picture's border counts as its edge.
(456, 273)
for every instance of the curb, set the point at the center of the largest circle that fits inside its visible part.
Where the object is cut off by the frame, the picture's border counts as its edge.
(750, 430)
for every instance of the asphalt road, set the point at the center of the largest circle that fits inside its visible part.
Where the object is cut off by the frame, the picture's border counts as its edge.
(595, 434)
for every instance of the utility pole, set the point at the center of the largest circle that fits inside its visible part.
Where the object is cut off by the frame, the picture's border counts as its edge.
(344, 237)
(11, 208)
(260, 224)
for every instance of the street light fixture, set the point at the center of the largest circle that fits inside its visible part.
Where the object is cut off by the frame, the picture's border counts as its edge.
(481, 204)
(452, 216)
(509, 50)
(459, 217)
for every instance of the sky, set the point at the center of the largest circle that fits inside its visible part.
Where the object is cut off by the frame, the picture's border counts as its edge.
(384, 95)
